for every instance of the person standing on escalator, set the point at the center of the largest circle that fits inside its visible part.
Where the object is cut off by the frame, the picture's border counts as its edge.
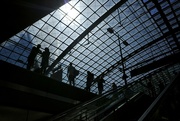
(45, 60)
(90, 77)
(100, 84)
(114, 89)
(114, 86)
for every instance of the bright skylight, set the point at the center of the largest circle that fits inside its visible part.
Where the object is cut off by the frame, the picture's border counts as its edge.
(137, 22)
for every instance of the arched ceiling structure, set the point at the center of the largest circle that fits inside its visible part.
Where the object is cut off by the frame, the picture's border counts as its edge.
(148, 32)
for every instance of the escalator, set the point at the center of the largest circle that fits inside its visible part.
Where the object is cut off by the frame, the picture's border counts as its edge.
(166, 107)
(123, 104)
(163, 107)
(132, 110)
(108, 106)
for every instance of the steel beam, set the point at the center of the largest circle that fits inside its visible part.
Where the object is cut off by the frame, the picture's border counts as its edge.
(84, 34)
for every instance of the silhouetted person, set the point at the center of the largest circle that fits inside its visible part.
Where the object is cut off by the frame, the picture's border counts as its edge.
(57, 73)
(151, 88)
(32, 56)
(90, 77)
(114, 86)
(100, 84)
(71, 74)
(45, 60)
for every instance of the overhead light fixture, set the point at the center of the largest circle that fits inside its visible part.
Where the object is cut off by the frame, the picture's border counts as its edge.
(110, 30)
(125, 43)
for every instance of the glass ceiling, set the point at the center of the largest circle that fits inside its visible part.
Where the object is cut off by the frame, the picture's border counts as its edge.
(77, 33)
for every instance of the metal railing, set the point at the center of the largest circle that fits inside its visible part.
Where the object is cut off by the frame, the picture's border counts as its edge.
(169, 96)
(98, 106)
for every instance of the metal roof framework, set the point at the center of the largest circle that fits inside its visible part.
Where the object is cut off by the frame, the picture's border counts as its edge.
(77, 32)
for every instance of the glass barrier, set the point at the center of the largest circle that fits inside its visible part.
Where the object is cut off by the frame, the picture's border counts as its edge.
(97, 107)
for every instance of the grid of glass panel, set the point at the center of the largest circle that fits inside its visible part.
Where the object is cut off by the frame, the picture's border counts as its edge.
(136, 22)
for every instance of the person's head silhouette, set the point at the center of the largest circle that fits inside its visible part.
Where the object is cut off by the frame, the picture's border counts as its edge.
(38, 46)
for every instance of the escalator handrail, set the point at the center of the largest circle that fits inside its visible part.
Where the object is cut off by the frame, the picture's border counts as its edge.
(117, 104)
(83, 104)
(119, 89)
(155, 103)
